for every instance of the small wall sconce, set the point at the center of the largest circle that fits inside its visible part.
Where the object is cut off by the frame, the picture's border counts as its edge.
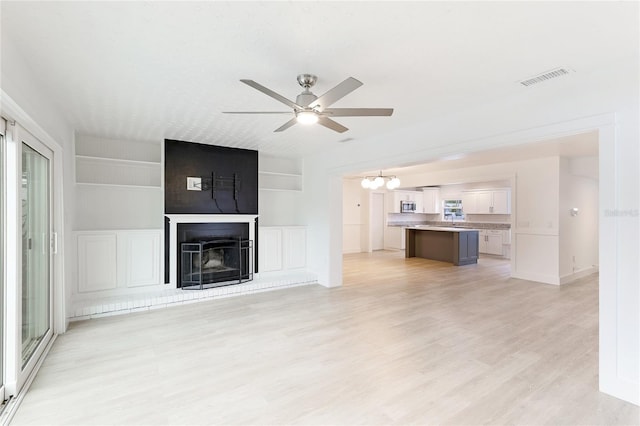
(574, 211)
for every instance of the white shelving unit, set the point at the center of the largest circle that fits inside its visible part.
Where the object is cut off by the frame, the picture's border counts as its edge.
(118, 163)
(279, 174)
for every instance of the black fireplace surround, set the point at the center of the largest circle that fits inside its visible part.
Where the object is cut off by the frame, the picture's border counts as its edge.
(229, 187)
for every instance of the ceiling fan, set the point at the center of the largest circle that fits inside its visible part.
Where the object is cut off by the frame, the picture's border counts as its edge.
(309, 108)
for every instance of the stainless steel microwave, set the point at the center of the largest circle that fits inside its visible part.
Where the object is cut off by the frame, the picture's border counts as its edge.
(407, 206)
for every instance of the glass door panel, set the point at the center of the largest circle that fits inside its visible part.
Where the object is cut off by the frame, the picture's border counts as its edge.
(36, 288)
(3, 127)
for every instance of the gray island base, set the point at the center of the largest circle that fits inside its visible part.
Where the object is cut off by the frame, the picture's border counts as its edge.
(456, 245)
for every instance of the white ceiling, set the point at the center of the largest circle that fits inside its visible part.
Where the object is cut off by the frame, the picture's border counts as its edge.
(154, 70)
(583, 145)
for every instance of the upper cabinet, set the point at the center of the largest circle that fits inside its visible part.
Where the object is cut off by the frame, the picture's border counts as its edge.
(430, 200)
(494, 201)
(400, 195)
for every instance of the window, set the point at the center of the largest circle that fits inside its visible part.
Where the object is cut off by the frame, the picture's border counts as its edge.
(452, 210)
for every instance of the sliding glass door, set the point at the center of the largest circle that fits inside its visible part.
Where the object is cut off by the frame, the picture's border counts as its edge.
(3, 231)
(27, 271)
(36, 250)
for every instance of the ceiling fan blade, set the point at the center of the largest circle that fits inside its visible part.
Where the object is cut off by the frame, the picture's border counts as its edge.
(333, 125)
(256, 112)
(271, 93)
(286, 125)
(338, 92)
(358, 112)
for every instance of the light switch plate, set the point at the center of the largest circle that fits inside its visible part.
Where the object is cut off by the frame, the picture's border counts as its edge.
(194, 184)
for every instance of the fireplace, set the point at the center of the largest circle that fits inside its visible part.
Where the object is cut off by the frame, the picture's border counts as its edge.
(213, 255)
(214, 263)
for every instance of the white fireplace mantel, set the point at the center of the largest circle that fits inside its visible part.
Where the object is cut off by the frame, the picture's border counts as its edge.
(175, 219)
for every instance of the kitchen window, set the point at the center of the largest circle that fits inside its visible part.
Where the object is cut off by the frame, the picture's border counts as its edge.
(452, 210)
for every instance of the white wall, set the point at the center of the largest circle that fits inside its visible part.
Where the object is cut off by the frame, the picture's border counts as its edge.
(352, 216)
(47, 124)
(105, 207)
(578, 234)
(552, 109)
(279, 208)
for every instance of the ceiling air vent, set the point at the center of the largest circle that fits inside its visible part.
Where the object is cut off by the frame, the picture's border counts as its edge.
(547, 75)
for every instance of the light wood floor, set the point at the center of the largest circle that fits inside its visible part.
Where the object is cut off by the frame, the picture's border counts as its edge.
(404, 341)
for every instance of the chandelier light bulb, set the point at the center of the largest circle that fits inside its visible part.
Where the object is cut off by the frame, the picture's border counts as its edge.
(375, 182)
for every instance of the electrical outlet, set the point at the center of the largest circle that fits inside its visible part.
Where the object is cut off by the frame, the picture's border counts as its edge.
(194, 184)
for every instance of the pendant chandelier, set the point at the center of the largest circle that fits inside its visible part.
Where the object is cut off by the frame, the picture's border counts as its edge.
(375, 182)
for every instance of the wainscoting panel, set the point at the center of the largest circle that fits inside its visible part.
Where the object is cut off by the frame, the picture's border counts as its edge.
(270, 256)
(294, 247)
(97, 262)
(118, 262)
(141, 258)
(282, 248)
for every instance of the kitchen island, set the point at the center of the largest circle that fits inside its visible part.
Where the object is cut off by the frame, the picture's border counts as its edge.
(446, 244)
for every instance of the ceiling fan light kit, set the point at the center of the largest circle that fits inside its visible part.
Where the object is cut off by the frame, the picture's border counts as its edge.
(375, 182)
(307, 117)
(310, 109)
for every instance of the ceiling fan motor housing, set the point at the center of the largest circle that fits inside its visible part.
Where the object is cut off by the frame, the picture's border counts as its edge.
(305, 98)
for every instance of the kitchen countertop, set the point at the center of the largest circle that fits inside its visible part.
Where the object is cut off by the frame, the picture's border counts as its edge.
(440, 228)
(463, 225)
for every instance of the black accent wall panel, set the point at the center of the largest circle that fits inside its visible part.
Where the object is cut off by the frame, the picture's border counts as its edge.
(183, 159)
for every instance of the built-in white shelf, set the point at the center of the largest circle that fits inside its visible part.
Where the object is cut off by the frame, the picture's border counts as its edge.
(118, 163)
(279, 174)
(116, 160)
(111, 185)
(279, 181)
(91, 146)
(117, 172)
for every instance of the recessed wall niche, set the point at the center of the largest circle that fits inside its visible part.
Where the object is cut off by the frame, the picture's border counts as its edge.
(190, 159)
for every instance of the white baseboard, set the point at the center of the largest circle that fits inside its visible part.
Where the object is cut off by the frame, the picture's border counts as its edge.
(568, 278)
(351, 251)
(540, 278)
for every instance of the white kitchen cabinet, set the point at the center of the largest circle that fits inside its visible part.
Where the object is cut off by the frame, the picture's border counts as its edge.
(394, 238)
(430, 200)
(490, 241)
(506, 236)
(501, 201)
(495, 201)
(484, 202)
(469, 202)
(398, 196)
